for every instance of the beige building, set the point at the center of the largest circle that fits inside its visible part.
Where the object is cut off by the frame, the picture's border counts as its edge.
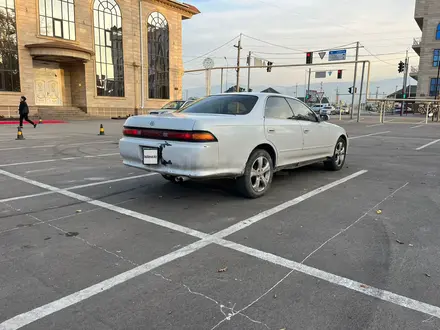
(104, 57)
(427, 16)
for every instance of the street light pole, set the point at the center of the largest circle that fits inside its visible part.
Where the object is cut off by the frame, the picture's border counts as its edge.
(308, 86)
(227, 72)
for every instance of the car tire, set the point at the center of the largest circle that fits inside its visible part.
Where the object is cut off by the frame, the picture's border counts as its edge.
(258, 175)
(337, 161)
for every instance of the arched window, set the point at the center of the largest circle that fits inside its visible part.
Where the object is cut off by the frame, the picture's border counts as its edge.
(108, 48)
(57, 18)
(158, 57)
(437, 35)
(9, 69)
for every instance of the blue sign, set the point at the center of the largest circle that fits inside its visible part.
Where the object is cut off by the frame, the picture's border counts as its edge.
(337, 55)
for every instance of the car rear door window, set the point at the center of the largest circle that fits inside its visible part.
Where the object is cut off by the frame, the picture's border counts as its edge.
(301, 111)
(277, 108)
(233, 104)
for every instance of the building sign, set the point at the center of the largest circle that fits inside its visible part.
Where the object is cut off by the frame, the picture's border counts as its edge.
(320, 74)
(337, 55)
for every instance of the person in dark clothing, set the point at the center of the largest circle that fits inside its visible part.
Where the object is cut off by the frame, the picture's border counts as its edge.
(23, 110)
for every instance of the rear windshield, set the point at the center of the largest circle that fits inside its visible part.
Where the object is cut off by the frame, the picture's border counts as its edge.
(173, 105)
(234, 104)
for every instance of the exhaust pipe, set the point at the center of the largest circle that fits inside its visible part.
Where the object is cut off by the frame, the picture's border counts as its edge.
(180, 179)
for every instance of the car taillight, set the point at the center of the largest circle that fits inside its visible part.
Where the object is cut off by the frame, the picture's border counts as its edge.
(171, 135)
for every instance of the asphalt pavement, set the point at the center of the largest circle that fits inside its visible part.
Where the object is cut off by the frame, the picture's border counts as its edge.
(87, 243)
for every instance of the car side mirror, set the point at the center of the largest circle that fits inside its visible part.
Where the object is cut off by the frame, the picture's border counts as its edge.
(324, 117)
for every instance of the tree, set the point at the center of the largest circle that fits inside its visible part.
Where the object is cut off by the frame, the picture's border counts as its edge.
(8, 50)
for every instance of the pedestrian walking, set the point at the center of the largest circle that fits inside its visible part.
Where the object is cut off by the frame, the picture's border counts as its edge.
(23, 110)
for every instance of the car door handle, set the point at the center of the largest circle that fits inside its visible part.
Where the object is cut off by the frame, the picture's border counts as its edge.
(271, 131)
(306, 131)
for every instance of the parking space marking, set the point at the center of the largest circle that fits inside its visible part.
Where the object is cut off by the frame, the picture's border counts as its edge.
(10, 199)
(38, 313)
(375, 125)
(111, 207)
(58, 145)
(246, 223)
(335, 279)
(57, 305)
(59, 159)
(417, 126)
(372, 134)
(427, 145)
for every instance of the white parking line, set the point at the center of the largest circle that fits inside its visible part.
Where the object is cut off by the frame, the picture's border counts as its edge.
(372, 134)
(38, 313)
(59, 159)
(417, 126)
(335, 279)
(78, 187)
(428, 144)
(206, 239)
(57, 145)
(374, 125)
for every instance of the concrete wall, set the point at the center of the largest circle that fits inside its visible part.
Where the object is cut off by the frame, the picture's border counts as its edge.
(82, 89)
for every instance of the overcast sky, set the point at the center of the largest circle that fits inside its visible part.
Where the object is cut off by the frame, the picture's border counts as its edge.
(381, 26)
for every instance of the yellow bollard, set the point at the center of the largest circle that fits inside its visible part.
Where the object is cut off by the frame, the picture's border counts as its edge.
(101, 130)
(20, 134)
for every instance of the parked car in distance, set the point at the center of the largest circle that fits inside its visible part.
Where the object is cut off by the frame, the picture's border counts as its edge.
(243, 136)
(328, 110)
(173, 106)
(317, 108)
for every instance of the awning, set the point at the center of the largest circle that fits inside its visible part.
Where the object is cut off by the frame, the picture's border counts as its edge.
(58, 51)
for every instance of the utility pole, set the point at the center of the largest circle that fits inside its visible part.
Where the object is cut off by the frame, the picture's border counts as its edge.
(249, 72)
(404, 85)
(308, 86)
(238, 64)
(377, 92)
(296, 90)
(354, 79)
(360, 93)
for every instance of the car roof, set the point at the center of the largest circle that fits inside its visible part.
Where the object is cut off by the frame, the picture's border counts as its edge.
(260, 95)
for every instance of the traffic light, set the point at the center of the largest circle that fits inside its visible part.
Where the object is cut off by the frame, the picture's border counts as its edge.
(269, 66)
(339, 74)
(404, 96)
(309, 58)
(350, 90)
(401, 67)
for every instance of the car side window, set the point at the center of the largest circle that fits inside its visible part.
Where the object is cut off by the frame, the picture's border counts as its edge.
(301, 111)
(277, 108)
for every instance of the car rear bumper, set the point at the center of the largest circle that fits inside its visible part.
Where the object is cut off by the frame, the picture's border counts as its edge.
(187, 159)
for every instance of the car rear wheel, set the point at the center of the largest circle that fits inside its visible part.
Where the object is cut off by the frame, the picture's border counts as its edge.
(258, 175)
(336, 162)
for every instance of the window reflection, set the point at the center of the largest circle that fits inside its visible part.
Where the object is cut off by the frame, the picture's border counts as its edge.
(57, 18)
(9, 69)
(108, 48)
(158, 57)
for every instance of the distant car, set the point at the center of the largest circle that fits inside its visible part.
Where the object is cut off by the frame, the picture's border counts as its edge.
(173, 106)
(328, 110)
(317, 108)
(241, 136)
